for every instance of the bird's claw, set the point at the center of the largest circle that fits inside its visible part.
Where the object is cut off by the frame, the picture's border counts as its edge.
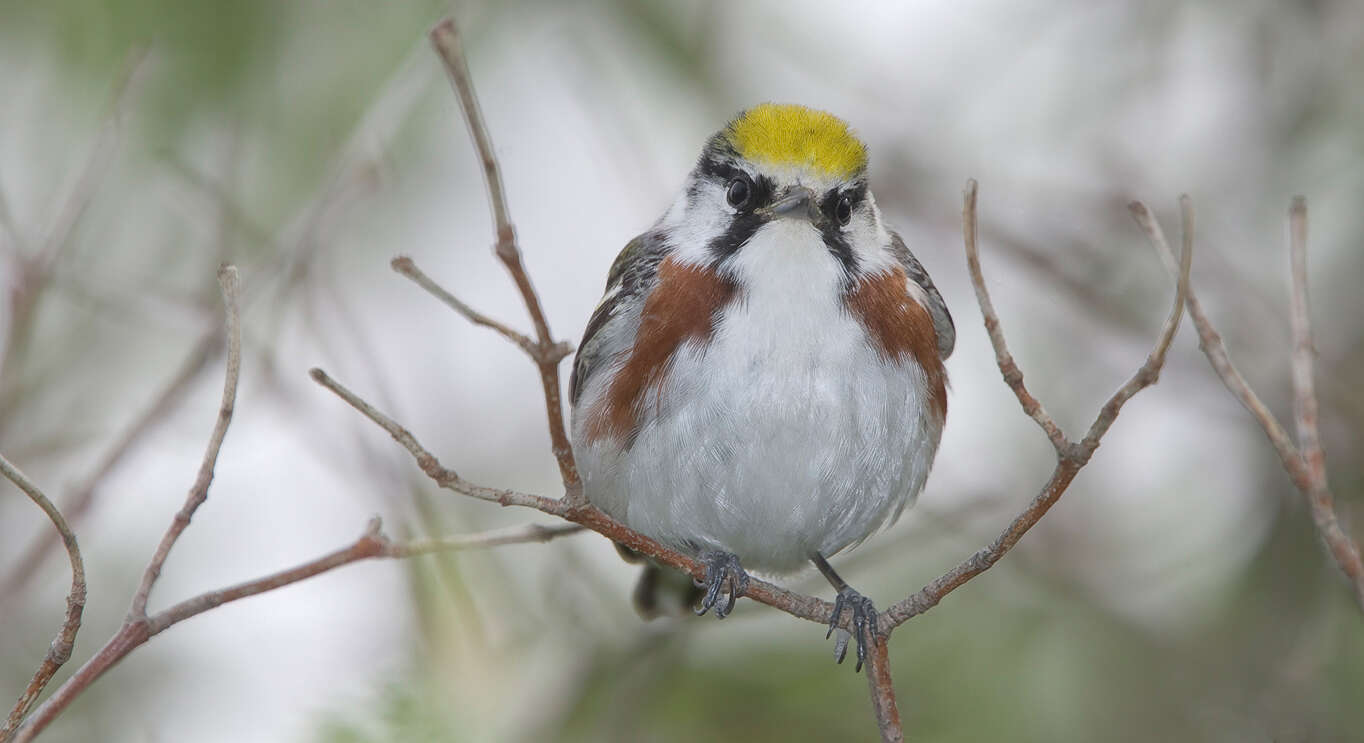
(722, 568)
(863, 621)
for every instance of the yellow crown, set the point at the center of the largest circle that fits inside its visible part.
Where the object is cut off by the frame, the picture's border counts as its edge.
(790, 135)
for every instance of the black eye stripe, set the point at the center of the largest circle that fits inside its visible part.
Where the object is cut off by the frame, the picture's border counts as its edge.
(829, 204)
(722, 171)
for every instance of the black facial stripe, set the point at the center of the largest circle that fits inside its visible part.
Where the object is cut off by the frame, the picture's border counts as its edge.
(722, 170)
(838, 244)
(740, 231)
(855, 194)
(832, 231)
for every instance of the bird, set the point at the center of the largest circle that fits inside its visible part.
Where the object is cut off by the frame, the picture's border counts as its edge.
(762, 384)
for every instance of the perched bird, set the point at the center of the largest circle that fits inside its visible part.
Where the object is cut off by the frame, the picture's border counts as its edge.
(762, 384)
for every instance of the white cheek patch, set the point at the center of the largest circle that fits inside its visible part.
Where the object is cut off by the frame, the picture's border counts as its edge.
(697, 218)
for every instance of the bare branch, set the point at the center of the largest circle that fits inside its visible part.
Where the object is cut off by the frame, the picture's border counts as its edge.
(60, 649)
(1343, 550)
(445, 37)
(198, 493)
(882, 692)
(1150, 371)
(1319, 496)
(372, 544)
(1216, 351)
(1304, 355)
(795, 604)
(444, 477)
(405, 266)
(1071, 458)
(1013, 376)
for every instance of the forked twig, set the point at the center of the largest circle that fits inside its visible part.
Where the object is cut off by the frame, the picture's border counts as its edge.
(547, 354)
(1306, 467)
(1071, 457)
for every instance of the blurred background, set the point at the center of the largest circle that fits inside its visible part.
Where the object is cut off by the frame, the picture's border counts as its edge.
(1177, 592)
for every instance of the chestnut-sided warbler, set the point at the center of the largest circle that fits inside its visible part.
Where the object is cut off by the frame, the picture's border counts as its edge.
(762, 384)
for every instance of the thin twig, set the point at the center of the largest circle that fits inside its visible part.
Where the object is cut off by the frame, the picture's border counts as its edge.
(1150, 370)
(1319, 497)
(1013, 376)
(198, 492)
(795, 604)
(445, 37)
(1343, 549)
(1071, 458)
(444, 477)
(60, 649)
(372, 544)
(405, 266)
(1304, 355)
(1216, 352)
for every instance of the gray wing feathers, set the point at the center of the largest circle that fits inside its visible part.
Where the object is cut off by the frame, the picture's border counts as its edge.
(937, 308)
(614, 323)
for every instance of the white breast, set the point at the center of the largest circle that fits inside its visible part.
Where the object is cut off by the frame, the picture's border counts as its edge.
(786, 434)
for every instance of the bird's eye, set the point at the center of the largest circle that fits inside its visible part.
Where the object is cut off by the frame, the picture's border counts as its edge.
(843, 210)
(738, 192)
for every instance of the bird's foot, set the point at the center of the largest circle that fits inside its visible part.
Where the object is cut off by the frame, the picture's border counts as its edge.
(863, 620)
(722, 571)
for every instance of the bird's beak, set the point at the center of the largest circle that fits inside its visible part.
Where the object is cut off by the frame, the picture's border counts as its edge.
(795, 201)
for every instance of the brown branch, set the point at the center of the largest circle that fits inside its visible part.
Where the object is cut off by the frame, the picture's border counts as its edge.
(882, 691)
(198, 493)
(1319, 497)
(443, 476)
(1150, 370)
(1012, 375)
(372, 544)
(445, 37)
(1300, 471)
(795, 604)
(405, 266)
(1071, 458)
(60, 649)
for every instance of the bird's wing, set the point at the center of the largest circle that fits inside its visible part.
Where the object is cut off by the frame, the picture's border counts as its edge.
(937, 308)
(614, 323)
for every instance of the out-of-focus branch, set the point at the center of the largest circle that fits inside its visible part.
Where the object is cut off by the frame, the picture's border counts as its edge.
(78, 503)
(547, 354)
(1071, 457)
(60, 649)
(492, 538)
(35, 271)
(230, 282)
(1319, 496)
(1308, 473)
